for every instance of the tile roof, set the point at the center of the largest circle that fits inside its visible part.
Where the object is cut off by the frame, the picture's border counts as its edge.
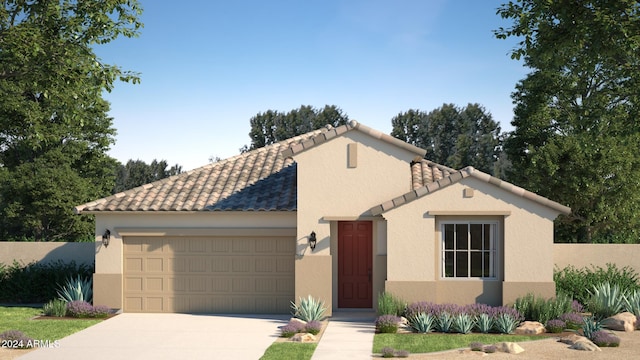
(258, 180)
(424, 172)
(331, 133)
(436, 184)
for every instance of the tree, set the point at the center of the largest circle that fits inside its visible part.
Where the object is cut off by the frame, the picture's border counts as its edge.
(137, 173)
(273, 126)
(576, 136)
(54, 128)
(453, 136)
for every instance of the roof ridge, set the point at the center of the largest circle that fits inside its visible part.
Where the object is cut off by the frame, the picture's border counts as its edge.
(438, 165)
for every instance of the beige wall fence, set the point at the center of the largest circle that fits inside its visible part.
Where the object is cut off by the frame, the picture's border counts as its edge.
(586, 255)
(46, 252)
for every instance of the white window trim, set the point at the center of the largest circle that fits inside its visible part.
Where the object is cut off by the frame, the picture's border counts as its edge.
(496, 242)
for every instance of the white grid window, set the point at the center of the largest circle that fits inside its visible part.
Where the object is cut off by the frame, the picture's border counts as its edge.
(469, 250)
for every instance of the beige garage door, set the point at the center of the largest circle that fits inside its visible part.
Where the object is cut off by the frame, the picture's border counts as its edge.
(209, 274)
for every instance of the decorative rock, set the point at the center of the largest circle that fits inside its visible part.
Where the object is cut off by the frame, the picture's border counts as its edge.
(572, 339)
(509, 348)
(530, 328)
(294, 321)
(469, 352)
(625, 321)
(585, 345)
(302, 337)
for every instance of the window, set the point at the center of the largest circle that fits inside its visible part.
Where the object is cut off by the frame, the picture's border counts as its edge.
(469, 250)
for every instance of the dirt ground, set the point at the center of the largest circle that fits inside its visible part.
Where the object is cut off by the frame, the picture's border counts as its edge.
(549, 348)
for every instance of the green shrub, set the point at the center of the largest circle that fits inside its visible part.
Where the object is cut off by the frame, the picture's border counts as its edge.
(555, 326)
(543, 310)
(55, 307)
(576, 282)
(605, 339)
(309, 309)
(388, 304)
(606, 300)
(16, 339)
(387, 352)
(76, 289)
(36, 282)
(387, 324)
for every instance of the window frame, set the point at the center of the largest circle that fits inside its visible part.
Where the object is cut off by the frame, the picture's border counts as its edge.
(494, 252)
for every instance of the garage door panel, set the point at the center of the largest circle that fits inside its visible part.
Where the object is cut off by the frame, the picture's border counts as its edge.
(133, 264)
(209, 274)
(197, 264)
(133, 284)
(220, 265)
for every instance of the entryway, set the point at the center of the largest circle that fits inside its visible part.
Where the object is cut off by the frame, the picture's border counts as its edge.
(355, 269)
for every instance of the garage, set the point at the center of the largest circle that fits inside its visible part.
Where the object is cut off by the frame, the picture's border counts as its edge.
(208, 274)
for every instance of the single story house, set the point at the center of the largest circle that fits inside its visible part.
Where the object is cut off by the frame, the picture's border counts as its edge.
(340, 214)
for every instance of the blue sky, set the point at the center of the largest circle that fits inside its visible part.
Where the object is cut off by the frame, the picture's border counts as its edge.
(208, 66)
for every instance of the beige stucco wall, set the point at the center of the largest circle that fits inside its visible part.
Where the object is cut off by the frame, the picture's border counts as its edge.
(329, 191)
(108, 261)
(588, 255)
(413, 249)
(47, 252)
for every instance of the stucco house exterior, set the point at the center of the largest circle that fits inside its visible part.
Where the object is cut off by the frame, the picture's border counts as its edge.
(236, 236)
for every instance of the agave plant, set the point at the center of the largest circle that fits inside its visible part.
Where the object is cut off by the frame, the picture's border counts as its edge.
(506, 323)
(444, 322)
(590, 327)
(463, 323)
(76, 289)
(484, 323)
(422, 323)
(632, 302)
(309, 309)
(606, 300)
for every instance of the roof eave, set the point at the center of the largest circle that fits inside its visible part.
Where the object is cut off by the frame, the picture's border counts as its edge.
(458, 176)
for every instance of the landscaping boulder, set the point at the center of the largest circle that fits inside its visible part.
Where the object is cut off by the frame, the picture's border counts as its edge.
(578, 342)
(625, 321)
(530, 328)
(296, 321)
(572, 339)
(509, 348)
(303, 337)
(585, 346)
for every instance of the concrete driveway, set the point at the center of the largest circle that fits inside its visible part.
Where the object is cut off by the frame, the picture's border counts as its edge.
(168, 336)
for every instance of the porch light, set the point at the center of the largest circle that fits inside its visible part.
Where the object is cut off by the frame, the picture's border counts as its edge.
(312, 240)
(106, 237)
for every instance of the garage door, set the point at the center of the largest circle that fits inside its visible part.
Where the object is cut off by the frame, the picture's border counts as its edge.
(230, 274)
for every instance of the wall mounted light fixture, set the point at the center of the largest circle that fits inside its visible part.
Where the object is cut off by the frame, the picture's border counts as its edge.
(106, 237)
(312, 240)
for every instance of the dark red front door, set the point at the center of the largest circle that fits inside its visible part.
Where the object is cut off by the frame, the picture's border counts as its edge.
(354, 264)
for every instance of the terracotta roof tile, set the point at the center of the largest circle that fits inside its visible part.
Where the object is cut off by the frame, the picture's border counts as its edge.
(442, 177)
(258, 180)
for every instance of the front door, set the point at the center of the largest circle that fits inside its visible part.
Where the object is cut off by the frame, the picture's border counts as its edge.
(355, 256)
